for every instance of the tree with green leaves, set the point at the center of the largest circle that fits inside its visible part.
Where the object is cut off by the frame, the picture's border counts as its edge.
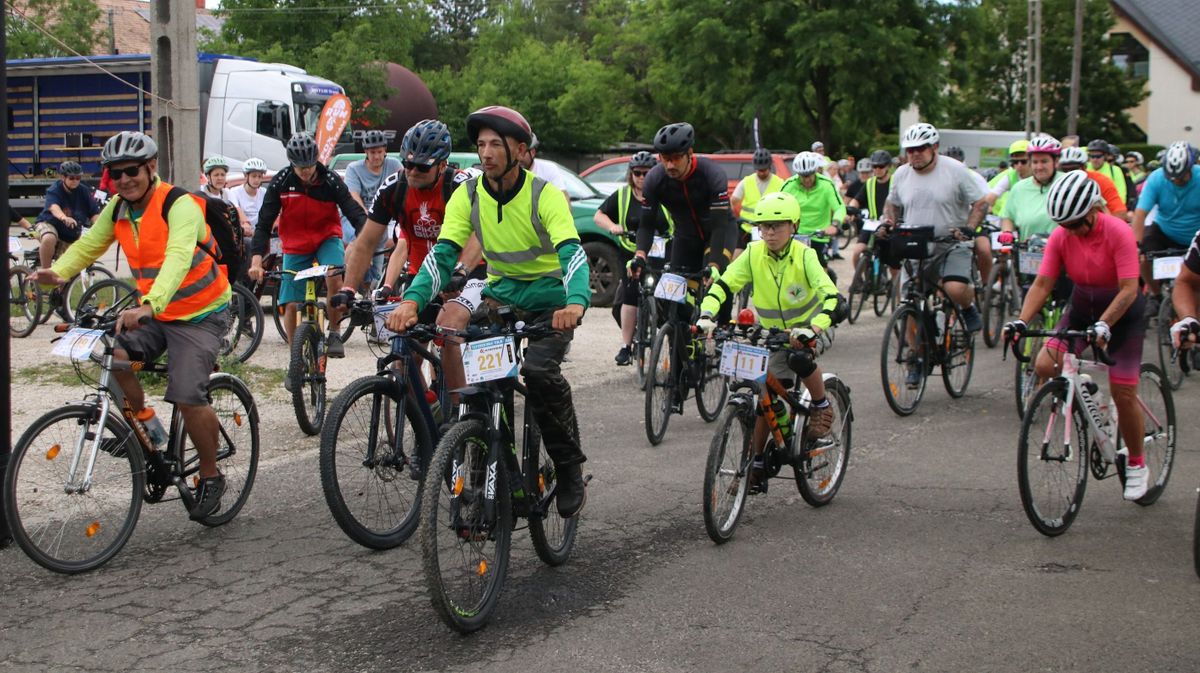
(74, 22)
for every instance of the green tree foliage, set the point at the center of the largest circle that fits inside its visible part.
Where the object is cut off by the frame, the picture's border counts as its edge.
(346, 41)
(987, 79)
(75, 22)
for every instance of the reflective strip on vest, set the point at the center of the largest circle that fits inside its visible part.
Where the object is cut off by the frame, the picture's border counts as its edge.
(546, 247)
(788, 314)
(623, 216)
(150, 274)
(871, 212)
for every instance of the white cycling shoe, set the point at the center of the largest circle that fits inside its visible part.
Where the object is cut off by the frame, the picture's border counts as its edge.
(1136, 482)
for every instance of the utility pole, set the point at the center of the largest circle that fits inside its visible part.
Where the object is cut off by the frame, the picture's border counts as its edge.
(173, 77)
(1076, 66)
(1033, 70)
(5, 351)
(112, 33)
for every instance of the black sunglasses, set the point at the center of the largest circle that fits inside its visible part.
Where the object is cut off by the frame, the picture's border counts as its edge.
(1072, 225)
(1016, 162)
(128, 171)
(640, 174)
(414, 166)
(1095, 156)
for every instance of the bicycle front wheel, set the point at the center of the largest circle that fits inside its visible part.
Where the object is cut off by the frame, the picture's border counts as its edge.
(1026, 381)
(245, 328)
(1173, 370)
(883, 293)
(822, 465)
(307, 375)
(727, 471)
(958, 355)
(1052, 460)
(995, 304)
(107, 298)
(464, 552)
(711, 390)
(660, 387)
(64, 521)
(902, 368)
(1158, 418)
(371, 450)
(74, 291)
(24, 302)
(643, 334)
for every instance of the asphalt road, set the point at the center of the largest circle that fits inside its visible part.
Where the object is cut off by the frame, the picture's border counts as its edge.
(924, 561)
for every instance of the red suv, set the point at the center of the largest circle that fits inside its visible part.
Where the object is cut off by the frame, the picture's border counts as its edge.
(609, 175)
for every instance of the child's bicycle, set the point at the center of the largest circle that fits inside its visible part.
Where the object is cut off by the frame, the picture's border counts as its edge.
(1070, 428)
(79, 474)
(818, 463)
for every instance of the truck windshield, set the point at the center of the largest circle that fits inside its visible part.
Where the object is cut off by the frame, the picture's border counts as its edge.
(308, 114)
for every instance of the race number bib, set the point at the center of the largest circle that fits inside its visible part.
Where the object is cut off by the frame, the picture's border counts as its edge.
(659, 248)
(490, 359)
(871, 225)
(276, 246)
(14, 244)
(806, 239)
(78, 343)
(1030, 262)
(671, 287)
(312, 272)
(997, 245)
(742, 361)
(1167, 268)
(381, 316)
(755, 234)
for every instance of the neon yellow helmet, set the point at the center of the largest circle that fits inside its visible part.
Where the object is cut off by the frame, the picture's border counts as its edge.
(776, 207)
(1018, 147)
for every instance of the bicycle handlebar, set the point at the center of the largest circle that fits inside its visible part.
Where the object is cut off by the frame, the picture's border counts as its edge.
(771, 338)
(1098, 353)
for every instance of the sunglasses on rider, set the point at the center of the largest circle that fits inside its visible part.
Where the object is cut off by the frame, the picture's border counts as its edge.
(1019, 162)
(1097, 155)
(414, 166)
(640, 174)
(916, 150)
(128, 171)
(1071, 225)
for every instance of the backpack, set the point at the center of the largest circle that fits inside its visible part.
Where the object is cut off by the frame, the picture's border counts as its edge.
(222, 219)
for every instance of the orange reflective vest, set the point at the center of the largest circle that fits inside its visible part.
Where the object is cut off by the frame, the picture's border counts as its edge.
(146, 250)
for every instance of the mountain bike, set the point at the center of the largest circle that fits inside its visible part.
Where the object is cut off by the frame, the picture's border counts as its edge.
(678, 364)
(926, 331)
(1070, 429)
(64, 299)
(306, 366)
(246, 328)
(24, 297)
(818, 463)
(490, 468)
(1165, 268)
(79, 474)
(1029, 256)
(872, 278)
(380, 436)
(1002, 294)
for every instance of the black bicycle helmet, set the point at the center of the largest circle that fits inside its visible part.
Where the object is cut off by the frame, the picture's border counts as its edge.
(762, 158)
(506, 121)
(674, 138)
(372, 139)
(956, 152)
(643, 159)
(1098, 145)
(128, 146)
(302, 150)
(881, 158)
(71, 168)
(426, 143)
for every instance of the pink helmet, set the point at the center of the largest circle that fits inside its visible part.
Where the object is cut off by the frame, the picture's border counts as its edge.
(1044, 145)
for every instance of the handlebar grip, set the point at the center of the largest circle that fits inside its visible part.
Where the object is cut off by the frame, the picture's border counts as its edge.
(1013, 345)
(1102, 355)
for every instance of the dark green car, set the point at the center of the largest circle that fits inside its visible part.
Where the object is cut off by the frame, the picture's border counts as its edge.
(602, 249)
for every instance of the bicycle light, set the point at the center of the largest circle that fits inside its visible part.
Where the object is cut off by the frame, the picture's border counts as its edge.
(746, 317)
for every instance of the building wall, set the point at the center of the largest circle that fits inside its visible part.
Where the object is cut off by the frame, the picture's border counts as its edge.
(1172, 110)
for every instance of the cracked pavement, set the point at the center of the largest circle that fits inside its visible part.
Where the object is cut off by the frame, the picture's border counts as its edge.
(924, 561)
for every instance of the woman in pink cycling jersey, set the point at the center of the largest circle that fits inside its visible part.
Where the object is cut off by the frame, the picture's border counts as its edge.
(1101, 258)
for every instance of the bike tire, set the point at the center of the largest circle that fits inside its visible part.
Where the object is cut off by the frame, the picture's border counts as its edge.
(1196, 536)
(881, 300)
(449, 536)
(553, 536)
(24, 302)
(711, 391)
(821, 466)
(896, 357)
(108, 297)
(1166, 317)
(660, 389)
(958, 361)
(1158, 414)
(995, 305)
(74, 291)
(35, 498)
(376, 505)
(307, 372)
(1024, 378)
(238, 445)
(1051, 503)
(862, 279)
(643, 334)
(246, 326)
(727, 470)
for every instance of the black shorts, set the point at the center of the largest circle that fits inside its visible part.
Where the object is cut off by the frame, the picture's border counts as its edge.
(1154, 239)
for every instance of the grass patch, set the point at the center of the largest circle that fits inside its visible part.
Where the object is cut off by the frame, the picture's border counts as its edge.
(254, 376)
(155, 384)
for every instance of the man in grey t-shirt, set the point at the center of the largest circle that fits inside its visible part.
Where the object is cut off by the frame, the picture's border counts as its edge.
(363, 178)
(937, 191)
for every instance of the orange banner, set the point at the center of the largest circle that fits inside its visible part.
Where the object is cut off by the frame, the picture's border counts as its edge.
(334, 117)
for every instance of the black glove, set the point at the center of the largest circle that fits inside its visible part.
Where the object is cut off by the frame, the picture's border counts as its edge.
(344, 297)
(1014, 330)
(382, 294)
(635, 266)
(457, 282)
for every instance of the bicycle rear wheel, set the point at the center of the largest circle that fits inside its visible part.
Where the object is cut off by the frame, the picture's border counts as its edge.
(726, 473)
(958, 359)
(820, 468)
(1052, 460)
(660, 388)
(75, 529)
(1173, 371)
(246, 326)
(861, 284)
(643, 335)
(307, 373)
(553, 536)
(903, 343)
(107, 298)
(371, 450)
(884, 292)
(24, 302)
(237, 445)
(1158, 416)
(75, 290)
(995, 304)
(711, 390)
(464, 555)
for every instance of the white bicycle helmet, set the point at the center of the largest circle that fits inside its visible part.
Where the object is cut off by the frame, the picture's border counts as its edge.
(1073, 155)
(215, 161)
(1177, 161)
(918, 135)
(1072, 197)
(807, 163)
(1044, 145)
(254, 165)
(864, 165)
(128, 146)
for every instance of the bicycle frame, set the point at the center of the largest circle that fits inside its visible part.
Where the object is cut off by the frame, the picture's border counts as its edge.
(408, 380)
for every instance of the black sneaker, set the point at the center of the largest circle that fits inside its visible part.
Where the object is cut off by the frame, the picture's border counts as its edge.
(333, 346)
(208, 497)
(758, 476)
(571, 491)
(623, 356)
